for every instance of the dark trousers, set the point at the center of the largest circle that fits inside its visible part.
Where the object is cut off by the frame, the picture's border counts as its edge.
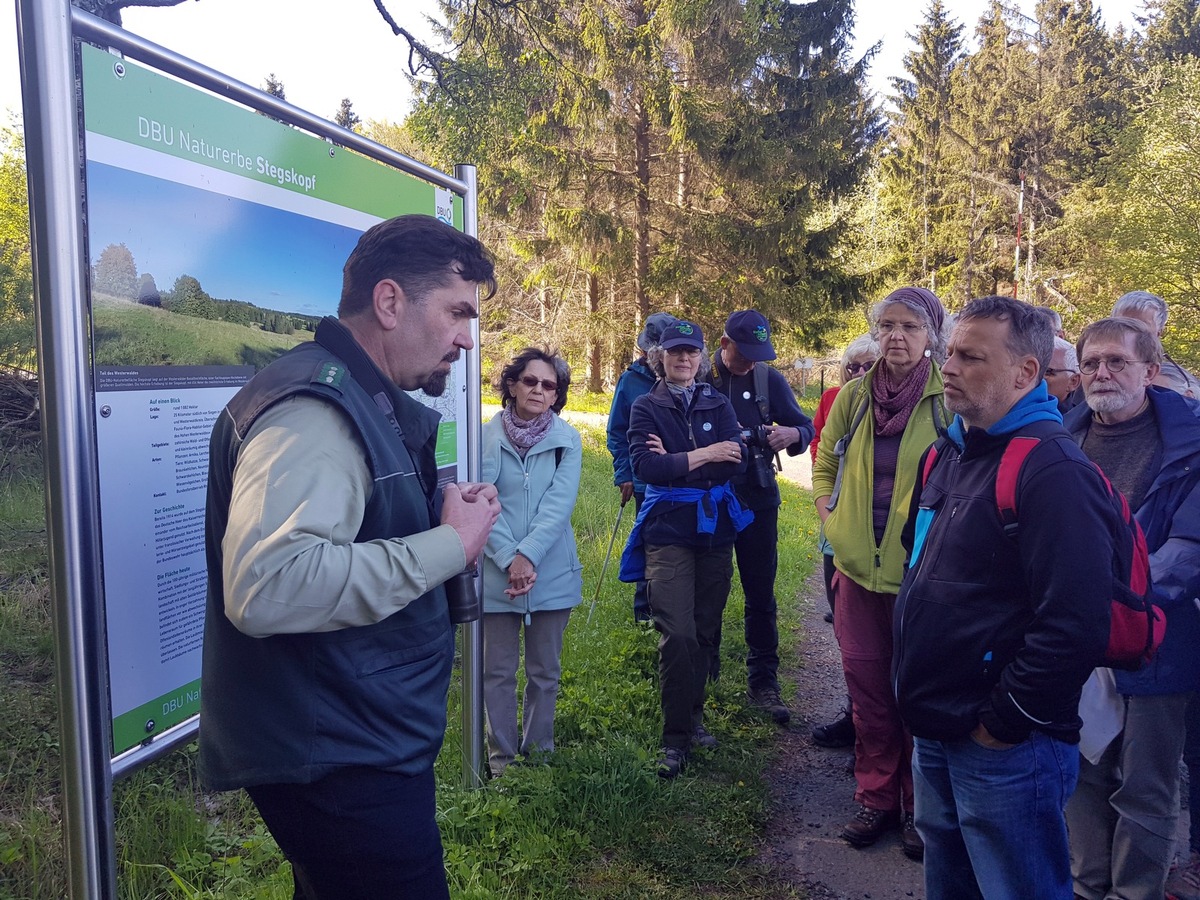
(688, 587)
(830, 568)
(358, 834)
(757, 562)
(1191, 757)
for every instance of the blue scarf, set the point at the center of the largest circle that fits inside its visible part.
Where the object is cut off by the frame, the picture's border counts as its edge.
(633, 559)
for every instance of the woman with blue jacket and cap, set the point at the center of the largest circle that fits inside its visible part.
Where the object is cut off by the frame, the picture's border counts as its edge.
(685, 445)
(531, 571)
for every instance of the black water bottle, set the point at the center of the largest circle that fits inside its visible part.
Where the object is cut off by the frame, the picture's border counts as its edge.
(463, 598)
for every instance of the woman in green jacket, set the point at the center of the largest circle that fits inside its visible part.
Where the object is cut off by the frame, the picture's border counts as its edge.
(879, 426)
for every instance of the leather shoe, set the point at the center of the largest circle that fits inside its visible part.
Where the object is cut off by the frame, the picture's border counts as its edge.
(838, 733)
(869, 825)
(910, 840)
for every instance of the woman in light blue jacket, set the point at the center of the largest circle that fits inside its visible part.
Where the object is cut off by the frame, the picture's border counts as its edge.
(531, 572)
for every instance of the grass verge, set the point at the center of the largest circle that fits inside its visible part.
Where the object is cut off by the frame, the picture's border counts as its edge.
(589, 821)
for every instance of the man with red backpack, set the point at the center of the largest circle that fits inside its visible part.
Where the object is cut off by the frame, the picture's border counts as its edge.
(1147, 440)
(997, 629)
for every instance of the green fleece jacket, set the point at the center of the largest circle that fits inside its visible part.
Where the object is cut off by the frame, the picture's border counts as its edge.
(848, 528)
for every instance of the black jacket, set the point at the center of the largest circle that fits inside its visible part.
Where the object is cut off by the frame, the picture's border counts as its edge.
(783, 410)
(296, 707)
(709, 420)
(1001, 630)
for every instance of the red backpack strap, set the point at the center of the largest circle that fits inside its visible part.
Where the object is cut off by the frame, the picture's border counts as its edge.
(931, 456)
(1007, 476)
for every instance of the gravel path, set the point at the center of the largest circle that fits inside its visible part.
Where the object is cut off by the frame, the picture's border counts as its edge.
(812, 789)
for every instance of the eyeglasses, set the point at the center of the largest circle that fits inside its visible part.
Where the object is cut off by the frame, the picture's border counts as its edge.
(1073, 371)
(685, 351)
(893, 327)
(1114, 364)
(550, 387)
(854, 368)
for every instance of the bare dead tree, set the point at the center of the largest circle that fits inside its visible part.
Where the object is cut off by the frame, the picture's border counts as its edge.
(110, 10)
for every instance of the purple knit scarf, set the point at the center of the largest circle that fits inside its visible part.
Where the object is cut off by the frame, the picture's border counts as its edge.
(524, 434)
(894, 403)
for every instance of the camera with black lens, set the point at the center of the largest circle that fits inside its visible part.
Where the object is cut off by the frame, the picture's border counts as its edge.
(760, 471)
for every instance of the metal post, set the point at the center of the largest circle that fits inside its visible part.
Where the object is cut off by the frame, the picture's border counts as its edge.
(68, 437)
(1017, 248)
(472, 632)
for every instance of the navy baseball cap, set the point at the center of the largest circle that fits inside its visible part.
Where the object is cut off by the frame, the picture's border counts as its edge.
(682, 333)
(749, 329)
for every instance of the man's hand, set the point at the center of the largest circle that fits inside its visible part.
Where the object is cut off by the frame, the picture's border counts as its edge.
(626, 491)
(780, 437)
(984, 738)
(471, 510)
(655, 445)
(521, 576)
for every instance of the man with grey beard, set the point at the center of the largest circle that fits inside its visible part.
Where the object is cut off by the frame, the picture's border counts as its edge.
(1147, 440)
(327, 639)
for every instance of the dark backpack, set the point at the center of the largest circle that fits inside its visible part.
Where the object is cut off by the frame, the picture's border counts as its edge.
(1138, 626)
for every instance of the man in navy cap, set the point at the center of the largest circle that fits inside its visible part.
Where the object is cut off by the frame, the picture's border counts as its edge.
(771, 421)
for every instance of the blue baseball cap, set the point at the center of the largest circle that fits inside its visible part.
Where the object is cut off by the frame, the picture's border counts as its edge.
(682, 333)
(749, 329)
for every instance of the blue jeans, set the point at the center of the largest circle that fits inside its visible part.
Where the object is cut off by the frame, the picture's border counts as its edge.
(992, 820)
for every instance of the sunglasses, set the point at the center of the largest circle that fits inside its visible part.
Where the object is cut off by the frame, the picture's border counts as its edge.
(550, 387)
(854, 368)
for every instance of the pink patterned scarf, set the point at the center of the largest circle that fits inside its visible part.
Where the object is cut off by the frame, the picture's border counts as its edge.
(524, 434)
(894, 403)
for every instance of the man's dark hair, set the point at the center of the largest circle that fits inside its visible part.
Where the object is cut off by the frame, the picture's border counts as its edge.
(1030, 331)
(511, 372)
(419, 253)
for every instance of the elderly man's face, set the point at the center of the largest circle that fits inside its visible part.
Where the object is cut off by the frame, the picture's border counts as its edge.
(1061, 382)
(733, 359)
(1115, 396)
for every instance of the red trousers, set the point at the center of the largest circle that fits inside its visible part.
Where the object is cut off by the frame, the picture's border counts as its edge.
(862, 621)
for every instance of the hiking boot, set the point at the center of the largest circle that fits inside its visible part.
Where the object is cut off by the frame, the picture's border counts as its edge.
(703, 739)
(672, 762)
(838, 733)
(868, 825)
(768, 699)
(910, 840)
(1183, 882)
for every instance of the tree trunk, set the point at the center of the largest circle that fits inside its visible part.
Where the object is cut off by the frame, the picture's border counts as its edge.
(595, 342)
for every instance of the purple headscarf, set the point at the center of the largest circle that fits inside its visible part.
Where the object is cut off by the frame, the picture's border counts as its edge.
(920, 300)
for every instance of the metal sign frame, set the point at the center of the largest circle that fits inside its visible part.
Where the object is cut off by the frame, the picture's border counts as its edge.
(47, 31)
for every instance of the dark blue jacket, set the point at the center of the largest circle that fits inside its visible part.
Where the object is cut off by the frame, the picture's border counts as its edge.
(1170, 517)
(635, 381)
(991, 629)
(295, 707)
(709, 420)
(783, 410)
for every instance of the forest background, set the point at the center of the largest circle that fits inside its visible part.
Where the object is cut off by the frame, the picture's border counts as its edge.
(701, 156)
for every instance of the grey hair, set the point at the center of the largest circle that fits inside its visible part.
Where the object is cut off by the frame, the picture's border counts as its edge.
(1142, 302)
(1070, 357)
(937, 339)
(1053, 315)
(861, 345)
(654, 359)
